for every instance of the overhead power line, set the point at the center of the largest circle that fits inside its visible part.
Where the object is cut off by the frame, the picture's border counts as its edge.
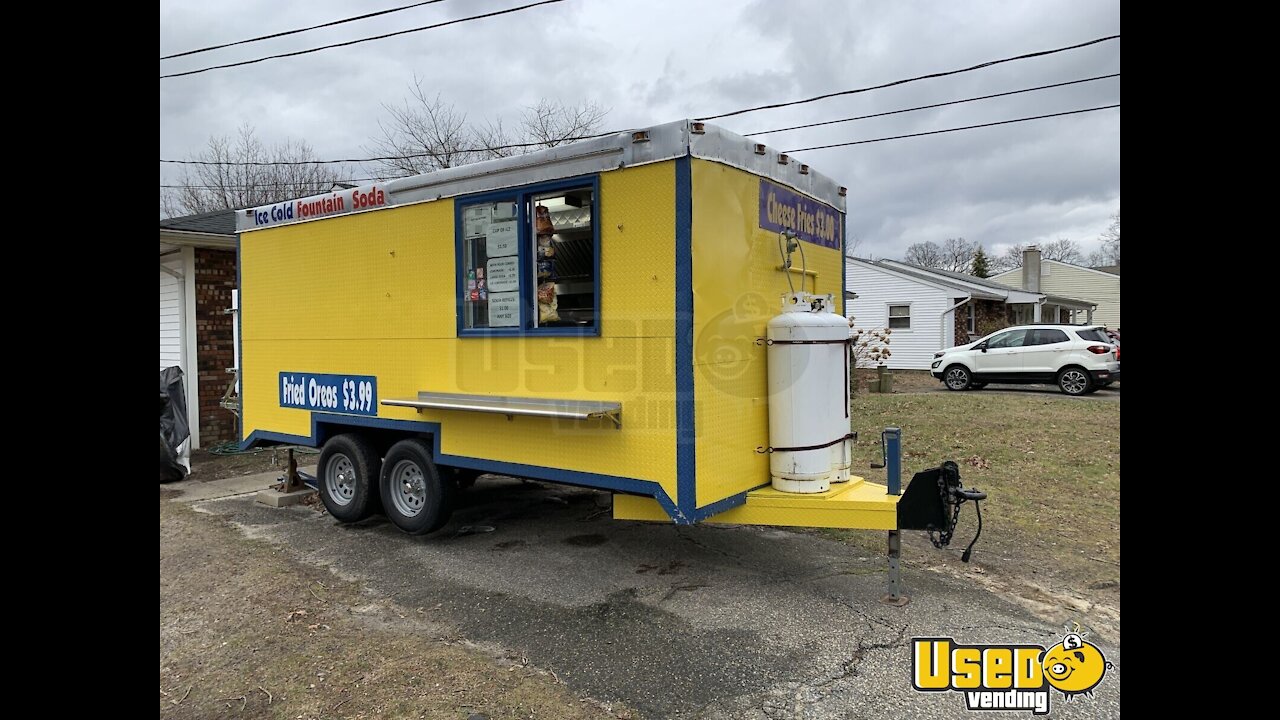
(300, 30)
(798, 150)
(266, 185)
(979, 66)
(934, 105)
(956, 129)
(405, 156)
(362, 40)
(816, 147)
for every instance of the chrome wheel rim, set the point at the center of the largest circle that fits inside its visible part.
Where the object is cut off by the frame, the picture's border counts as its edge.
(340, 479)
(957, 379)
(1074, 382)
(409, 488)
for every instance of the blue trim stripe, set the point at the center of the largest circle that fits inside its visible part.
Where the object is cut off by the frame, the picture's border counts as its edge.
(844, 265)
(719, 506)
(686, 436)
(244, 444)
(324, 425)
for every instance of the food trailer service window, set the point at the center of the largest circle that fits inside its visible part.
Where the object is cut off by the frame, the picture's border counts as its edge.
(529, 260)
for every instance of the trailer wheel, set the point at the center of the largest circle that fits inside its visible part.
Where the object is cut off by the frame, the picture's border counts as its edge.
(414, 496)
(348, 477)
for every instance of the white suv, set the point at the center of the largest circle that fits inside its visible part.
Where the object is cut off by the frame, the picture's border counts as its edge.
(1078, 358)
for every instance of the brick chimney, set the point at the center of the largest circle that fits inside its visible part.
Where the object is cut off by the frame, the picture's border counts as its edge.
(1031, 269)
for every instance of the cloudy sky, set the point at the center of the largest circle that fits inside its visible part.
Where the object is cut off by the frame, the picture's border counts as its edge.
(661, 60)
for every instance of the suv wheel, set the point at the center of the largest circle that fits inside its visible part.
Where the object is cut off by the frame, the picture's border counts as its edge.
(957, 378)
(1075, 381)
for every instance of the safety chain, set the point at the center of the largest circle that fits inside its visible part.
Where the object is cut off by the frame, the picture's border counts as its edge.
(767, 450)
(943, 538)
(949, 495)
(957, 495)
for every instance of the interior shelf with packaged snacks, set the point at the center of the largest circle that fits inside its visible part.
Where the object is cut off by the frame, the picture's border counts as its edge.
(566, 251)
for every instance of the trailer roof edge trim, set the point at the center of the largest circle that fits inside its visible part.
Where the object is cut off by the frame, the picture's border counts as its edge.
(587, 157)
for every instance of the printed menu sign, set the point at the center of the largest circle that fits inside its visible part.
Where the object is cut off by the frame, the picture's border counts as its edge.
(504, 309)
(502, 239)
(475, 221)
(503, 274)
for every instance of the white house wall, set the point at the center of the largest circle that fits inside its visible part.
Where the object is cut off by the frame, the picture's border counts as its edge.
(171, 296)
(878, 289)
(178, 328)
(1076, 282)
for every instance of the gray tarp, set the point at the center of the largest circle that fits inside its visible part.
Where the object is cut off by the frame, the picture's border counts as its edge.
(173, 423)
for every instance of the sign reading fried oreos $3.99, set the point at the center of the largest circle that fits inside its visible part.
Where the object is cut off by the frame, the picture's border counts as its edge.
(350, 394)
(783, 209)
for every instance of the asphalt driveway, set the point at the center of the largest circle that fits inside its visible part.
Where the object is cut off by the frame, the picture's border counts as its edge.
(704, 621)
(1111, 394)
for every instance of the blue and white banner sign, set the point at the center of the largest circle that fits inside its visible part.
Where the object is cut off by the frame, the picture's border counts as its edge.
(351, 394)
(812, 221)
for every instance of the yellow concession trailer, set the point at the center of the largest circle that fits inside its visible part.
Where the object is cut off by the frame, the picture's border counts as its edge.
(591, 314)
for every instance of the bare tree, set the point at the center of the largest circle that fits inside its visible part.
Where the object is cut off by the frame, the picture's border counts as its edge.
(851, 245)
(553, 123)
(957, 255)
(1062, 250)
(226, 183)
(427, 133)
(925, 254)
(1109, 253)
(424, 134)
(954, 254)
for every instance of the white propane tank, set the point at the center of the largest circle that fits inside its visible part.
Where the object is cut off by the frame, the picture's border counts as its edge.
(842, 452)
(808, 390)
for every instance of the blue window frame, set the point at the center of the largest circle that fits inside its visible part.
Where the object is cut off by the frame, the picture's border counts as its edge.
(547, 275)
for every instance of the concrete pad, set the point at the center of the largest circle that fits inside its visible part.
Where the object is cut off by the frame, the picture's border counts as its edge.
(196, 490)
(275, 498)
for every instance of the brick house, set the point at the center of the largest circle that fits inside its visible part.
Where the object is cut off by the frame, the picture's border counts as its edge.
(931, 310)
(197, 279)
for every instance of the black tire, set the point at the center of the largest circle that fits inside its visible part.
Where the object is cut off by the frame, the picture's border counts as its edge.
(414, 496)
(976, 385)
(957, 377)
(348, 477)
(1075, 381)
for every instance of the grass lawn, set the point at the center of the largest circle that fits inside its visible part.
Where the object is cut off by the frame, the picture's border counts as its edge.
(1051, 466)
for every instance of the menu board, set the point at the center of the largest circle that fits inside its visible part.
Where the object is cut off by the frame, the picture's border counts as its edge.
(502, 238)
(475, 221)
(503, 274)
(504, 309)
